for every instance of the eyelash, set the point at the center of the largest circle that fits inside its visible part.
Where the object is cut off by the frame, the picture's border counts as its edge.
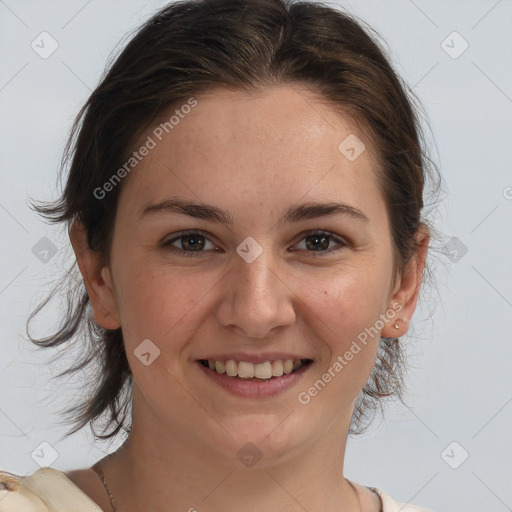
(342, 243)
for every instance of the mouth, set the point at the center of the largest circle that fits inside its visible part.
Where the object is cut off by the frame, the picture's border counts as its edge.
(261, 372)
(255, 381)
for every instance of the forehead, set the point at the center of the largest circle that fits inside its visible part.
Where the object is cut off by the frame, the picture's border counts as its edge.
(263, 146)
(277, 119)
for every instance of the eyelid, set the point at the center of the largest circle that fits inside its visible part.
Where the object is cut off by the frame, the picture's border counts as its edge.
(186, 232)
(341, 241)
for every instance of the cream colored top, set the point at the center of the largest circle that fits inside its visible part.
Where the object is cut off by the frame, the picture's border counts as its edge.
(50, 490)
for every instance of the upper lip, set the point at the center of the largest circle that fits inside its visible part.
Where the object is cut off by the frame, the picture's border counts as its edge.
(253, 358)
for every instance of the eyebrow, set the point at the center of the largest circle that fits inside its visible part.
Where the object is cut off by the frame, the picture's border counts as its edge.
(297, 213)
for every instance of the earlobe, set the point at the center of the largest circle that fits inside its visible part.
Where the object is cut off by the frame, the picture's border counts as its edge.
(97, 279)
(407, 289)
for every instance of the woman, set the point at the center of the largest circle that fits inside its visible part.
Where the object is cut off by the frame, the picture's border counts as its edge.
(245, 331)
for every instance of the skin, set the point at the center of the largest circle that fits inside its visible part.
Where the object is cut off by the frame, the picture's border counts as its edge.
(240, 151)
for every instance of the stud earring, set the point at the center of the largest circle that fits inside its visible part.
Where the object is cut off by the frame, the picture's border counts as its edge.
(396, 326)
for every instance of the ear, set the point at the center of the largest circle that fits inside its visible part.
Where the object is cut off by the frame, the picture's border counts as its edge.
(97, 279)
(405, 295)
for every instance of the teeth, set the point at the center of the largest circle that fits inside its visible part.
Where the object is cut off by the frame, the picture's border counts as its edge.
(245, 370)
(277, 368)
(231, 368)
(263, 371)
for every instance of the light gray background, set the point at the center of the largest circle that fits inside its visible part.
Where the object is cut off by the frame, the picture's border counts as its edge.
(460, 379)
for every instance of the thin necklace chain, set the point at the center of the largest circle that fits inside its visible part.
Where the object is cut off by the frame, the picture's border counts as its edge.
(99, 470)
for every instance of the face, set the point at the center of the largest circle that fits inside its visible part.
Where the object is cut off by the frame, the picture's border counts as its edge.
(265, 286)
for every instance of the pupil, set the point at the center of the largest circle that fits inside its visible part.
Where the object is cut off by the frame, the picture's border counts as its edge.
(323, 238)
(193, 237)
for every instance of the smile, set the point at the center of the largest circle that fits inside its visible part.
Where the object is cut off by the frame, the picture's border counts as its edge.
(255, 380)
(262, 371)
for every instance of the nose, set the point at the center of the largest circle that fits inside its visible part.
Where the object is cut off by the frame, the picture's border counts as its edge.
(257, 300)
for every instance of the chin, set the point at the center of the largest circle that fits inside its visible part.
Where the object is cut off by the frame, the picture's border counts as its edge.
(269, 438)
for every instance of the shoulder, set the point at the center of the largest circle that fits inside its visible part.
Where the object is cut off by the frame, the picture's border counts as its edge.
(391, 505)
(16, 495)
(46, 490)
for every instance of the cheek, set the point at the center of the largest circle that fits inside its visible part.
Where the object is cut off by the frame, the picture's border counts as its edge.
(349, 301)
(165, 307)
(156, 302)
(345, 314)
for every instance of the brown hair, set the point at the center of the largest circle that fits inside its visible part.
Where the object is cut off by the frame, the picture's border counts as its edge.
(194, 46)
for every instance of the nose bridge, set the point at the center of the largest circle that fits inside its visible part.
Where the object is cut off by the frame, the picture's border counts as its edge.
(257, 281)
(257, 300)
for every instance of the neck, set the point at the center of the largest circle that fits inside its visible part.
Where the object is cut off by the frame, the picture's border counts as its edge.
(159, 469)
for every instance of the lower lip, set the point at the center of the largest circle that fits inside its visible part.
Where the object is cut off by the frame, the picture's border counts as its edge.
(253, 389)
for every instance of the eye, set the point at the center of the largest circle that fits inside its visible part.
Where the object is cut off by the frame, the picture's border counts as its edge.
(318, 241)
(193, 243)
